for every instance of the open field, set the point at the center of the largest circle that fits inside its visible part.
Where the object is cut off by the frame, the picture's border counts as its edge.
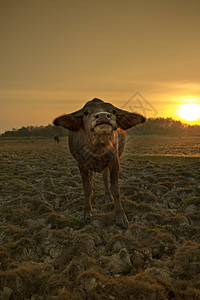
(47, 253)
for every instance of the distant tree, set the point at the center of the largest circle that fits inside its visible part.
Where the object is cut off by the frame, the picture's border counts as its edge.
(165, 126)
(36, 131)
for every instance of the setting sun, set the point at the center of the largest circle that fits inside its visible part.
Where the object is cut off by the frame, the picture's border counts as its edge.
(190, 112)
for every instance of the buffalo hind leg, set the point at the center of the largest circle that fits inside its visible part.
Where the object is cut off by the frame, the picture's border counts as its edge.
(87, 188)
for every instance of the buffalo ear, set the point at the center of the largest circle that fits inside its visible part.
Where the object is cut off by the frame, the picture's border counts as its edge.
(72, 121)
(126, 120)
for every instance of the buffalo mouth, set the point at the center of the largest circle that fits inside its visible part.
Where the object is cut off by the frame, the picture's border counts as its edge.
(102, 126)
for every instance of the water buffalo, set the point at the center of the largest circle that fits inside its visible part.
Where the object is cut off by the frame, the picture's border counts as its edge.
(56, 139)
(96, 141)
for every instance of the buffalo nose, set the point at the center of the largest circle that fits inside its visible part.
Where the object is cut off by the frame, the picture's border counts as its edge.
(104, 115)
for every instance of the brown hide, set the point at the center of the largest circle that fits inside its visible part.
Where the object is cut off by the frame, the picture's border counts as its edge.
(96, 141)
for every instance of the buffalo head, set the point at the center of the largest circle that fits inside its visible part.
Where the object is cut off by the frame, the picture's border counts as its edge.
(99, 120)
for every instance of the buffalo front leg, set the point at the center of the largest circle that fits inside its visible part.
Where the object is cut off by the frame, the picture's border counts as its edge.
(108, 196)
(87, 188)
(119, 214)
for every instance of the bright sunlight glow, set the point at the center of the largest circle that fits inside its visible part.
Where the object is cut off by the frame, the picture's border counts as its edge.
(190, 112)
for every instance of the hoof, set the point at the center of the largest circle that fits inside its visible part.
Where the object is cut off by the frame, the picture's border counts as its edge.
(85, 219)
(108, 198)
(122, 225)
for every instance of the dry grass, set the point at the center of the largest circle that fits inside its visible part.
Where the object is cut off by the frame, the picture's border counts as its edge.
(46, 253)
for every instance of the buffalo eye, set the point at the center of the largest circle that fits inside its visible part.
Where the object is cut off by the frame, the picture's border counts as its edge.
(86, 113)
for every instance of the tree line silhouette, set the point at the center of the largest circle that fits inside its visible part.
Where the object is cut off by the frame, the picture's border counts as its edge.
(166, 126)
(36, 131)
(153, 126)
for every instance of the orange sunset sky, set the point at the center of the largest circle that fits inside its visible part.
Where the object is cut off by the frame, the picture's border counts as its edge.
(57, 54)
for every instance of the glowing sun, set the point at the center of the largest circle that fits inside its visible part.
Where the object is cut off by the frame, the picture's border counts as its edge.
(190, 112)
